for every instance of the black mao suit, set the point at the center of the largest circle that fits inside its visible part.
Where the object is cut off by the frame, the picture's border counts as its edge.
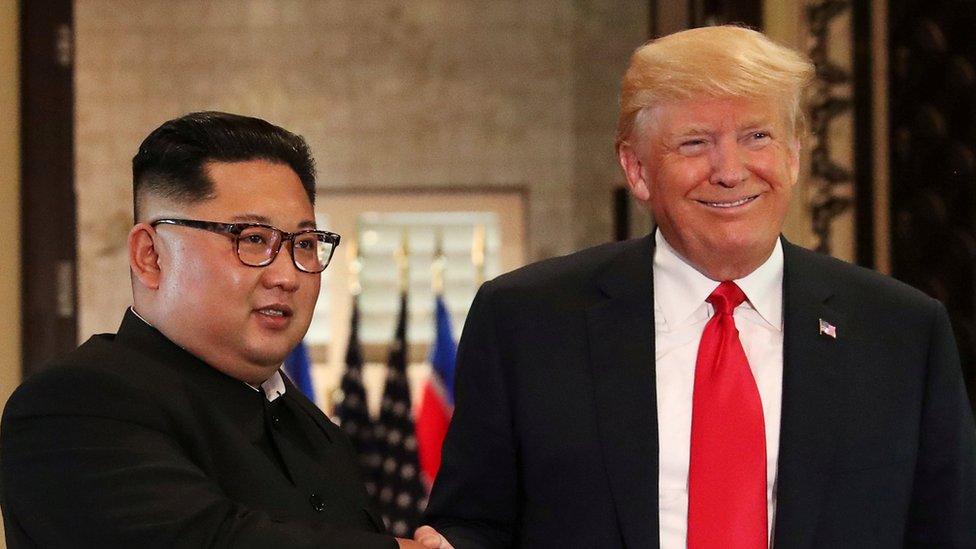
(134, 442)
(554, 436)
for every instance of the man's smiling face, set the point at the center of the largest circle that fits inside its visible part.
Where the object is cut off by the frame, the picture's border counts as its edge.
(717, 175)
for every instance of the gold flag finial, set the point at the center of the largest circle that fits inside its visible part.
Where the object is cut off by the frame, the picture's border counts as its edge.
(438, 265)
(355, 268)
(403, 262)
(478, 253)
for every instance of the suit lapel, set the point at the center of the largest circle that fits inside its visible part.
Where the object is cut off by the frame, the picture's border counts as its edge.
(812, 368)
(621, 338)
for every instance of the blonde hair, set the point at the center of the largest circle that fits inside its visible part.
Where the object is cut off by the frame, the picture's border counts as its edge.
(712, 62)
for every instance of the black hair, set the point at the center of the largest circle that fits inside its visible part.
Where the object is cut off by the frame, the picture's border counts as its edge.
(171, 160)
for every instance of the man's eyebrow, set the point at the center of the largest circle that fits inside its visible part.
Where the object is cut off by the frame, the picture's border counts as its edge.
(691, 130)
(762, 122)
(256, 218)
(251, 218)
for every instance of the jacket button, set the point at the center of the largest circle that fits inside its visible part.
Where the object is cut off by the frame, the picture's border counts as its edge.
(317, 503)
(276, 422)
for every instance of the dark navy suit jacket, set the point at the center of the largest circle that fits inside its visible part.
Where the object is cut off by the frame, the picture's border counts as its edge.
(133, 442)
(554, 437)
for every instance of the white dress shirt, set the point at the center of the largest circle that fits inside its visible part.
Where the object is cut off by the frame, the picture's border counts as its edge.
(273, 387)
(680, 315)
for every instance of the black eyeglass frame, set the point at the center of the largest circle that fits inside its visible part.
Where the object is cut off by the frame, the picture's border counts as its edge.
(234, 230)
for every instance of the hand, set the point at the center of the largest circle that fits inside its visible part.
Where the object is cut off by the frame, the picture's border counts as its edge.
(409, 544)
(431, 539)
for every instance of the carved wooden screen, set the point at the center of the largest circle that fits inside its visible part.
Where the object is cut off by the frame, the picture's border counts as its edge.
(933, 157)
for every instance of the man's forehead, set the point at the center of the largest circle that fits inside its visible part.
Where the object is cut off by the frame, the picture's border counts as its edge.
(254, 180)
(709, 113)
(252, 167)
(252, 191)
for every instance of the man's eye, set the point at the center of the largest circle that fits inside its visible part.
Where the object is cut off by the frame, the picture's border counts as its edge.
(757, 139)
(254, 239)
(306, 244)
(692, 146)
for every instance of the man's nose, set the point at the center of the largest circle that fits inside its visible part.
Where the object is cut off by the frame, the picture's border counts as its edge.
(281, 272)
(728, 164)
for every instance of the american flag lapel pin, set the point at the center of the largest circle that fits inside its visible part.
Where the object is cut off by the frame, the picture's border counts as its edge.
(828, 329)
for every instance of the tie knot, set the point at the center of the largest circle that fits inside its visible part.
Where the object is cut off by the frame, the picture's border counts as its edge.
(726, 297)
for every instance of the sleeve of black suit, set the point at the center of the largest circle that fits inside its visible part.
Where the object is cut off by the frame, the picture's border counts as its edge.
(473, 502)
(80, 472)
(943, 512)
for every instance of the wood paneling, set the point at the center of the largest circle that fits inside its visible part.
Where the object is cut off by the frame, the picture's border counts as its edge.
(47, 179)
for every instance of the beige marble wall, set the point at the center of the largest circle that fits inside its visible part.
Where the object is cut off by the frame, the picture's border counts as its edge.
(10, 344)
(427, 93)
(600, 63)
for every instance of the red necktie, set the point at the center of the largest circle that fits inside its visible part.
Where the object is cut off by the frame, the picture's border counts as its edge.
(727, 471)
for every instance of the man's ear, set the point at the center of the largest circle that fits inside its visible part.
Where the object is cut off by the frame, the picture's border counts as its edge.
(634, 172)
(795, 159)
(143, 256)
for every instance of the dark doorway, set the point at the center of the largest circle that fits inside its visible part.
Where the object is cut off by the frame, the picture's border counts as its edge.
(932, 83)
(719, 12)
(667, 16)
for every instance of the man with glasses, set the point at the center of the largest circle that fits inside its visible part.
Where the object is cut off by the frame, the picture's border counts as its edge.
(180, 430)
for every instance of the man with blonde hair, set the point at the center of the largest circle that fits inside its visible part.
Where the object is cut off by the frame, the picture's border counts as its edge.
(710, 384)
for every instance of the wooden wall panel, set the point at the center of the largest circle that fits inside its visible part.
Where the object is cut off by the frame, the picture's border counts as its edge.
(47, 179)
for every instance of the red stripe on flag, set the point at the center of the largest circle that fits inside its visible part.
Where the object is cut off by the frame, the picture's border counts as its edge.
(432, 420)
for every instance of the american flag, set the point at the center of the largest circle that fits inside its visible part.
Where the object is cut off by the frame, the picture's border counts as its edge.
(401, 494)
(828, 329)
(351, 412)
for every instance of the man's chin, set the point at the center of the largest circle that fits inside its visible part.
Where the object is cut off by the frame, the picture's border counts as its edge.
(271, 357)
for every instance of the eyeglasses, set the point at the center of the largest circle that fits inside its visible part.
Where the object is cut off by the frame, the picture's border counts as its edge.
(257, 244)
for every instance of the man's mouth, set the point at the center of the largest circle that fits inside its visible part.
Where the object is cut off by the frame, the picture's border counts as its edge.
(729, 203)
(275, 311)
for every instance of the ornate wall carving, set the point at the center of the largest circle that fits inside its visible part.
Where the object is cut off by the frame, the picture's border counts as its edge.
(932, 83)
(831, 179)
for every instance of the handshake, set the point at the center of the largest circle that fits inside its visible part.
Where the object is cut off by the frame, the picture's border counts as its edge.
(425, 538)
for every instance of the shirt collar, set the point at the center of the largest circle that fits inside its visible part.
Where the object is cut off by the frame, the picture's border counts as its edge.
(273, 387)
(764, 288)
(679, 289)
(139, 316)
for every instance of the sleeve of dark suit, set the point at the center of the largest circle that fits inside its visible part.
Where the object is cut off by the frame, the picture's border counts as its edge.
(943, 512)
(88, 460)
(473, 502)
